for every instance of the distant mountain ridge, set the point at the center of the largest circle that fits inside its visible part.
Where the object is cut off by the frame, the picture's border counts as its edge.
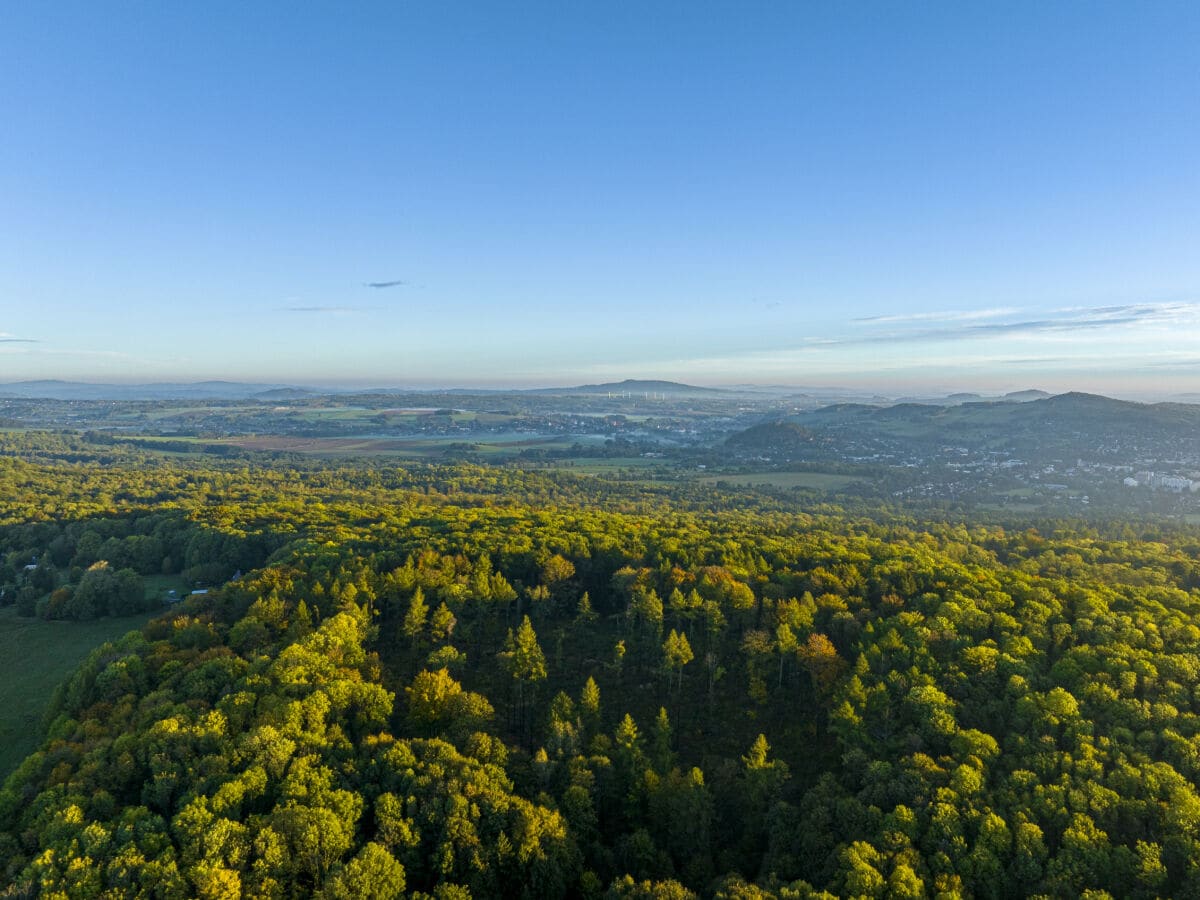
(286, 393)
(1025, 396)
(631, 385)
(973, 397)
(51, 389)
(201, 390)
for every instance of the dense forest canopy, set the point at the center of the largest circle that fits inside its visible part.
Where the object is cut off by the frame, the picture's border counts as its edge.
(470, 681)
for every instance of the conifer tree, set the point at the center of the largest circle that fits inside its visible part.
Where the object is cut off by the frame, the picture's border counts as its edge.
(584, 612)
(528, 662)
(589, 703)
(441, 624)
(414, 620)
(527, 666)
(660, 742)
(677, 653)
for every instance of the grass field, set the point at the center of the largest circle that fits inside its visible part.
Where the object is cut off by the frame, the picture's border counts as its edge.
(589, 465)
(35, 656)
(492, 446)
(821, 481)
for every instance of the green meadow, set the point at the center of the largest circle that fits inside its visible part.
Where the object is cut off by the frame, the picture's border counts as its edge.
(35, 657)
(820, 481)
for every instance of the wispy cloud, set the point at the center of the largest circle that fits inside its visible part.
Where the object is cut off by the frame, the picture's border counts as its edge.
(963, 326)
(7, 338)
(1032, 360)
(327, 310)
(943, 316)
(1101, 339)
(1149, 312)
(383, 284)
(769, 305)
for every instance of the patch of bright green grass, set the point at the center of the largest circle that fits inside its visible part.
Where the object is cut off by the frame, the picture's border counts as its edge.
(35, 657)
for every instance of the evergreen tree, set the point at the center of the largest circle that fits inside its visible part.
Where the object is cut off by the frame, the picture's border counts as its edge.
(527, 666)
(584, 613)
(660, 742)
(441, 623)
(414, 620)
(677, 653)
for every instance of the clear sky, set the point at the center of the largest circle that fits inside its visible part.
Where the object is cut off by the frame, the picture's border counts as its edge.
(960, 195)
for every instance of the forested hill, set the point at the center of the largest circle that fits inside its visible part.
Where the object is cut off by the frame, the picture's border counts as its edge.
(471, 682)
(1087, 422)
(1088, 413)
(771, 436)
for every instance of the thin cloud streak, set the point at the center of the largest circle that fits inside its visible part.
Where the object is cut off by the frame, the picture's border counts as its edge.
(328, 310)
(378, 285)
(1056, 322)
(946, 316)
(900, 349)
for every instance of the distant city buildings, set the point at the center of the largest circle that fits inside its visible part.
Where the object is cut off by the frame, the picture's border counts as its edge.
(1156, 481)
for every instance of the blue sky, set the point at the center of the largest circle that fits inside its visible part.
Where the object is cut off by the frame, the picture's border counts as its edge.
(874, 194)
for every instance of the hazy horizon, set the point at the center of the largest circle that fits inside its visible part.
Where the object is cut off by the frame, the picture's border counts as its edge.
(942, 198)
(883, 390)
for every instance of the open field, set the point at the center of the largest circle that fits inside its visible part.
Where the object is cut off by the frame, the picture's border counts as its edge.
(35, 656)
(605, 465)
(414, 448)
(820, 481)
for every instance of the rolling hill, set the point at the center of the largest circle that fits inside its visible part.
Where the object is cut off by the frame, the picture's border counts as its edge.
(633, 385)
(1065, 424)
